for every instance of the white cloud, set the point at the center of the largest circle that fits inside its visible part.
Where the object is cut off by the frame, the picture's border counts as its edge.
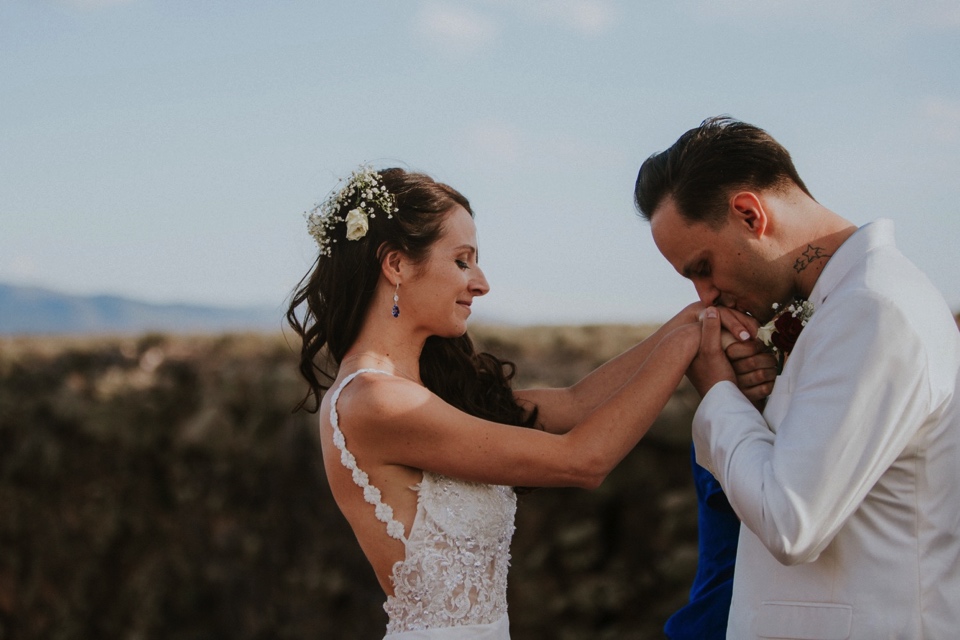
(589, 17)
(94, 5)
(455, 28)
(461, 29)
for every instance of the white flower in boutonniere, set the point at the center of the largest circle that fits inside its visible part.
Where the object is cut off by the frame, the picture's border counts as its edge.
(764, 333)
(781, 333)
(357, 224)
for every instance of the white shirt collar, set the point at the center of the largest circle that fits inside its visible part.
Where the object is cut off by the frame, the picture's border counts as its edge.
(870, 236)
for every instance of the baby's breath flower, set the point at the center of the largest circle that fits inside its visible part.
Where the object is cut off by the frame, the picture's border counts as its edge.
(364, 185)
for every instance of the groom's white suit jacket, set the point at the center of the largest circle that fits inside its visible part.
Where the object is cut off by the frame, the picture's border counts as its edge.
(848, 484)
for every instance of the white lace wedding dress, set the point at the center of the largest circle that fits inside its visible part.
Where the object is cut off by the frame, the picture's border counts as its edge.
(452, 582)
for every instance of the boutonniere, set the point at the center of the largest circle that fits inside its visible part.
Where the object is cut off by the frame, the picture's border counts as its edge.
(781, 333)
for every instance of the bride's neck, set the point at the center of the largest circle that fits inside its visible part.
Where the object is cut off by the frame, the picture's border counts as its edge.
(372, 360)
(385, 347)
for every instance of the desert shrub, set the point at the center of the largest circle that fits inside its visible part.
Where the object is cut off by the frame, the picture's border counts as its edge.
(160, 487)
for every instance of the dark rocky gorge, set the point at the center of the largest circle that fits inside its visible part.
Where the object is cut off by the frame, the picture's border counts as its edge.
(160, 487)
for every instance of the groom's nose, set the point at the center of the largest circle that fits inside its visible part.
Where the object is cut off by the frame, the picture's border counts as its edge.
(709, 294)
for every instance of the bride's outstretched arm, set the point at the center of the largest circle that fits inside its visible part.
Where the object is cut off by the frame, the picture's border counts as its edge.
(396, 422)
(560, 409)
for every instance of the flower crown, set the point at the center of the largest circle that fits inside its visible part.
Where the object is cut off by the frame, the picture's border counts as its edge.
(364, 185)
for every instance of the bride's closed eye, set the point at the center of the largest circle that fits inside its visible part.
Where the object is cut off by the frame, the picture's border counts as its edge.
(462, 264)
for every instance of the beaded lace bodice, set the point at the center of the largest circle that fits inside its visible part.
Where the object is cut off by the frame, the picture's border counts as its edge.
(454, 572)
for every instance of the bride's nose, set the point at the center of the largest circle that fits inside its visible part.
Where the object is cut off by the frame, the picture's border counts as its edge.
(479, 285)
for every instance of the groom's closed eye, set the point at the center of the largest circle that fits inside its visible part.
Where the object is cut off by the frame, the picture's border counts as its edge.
(699, 270)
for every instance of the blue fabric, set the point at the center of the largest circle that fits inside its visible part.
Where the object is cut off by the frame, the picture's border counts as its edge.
(704, 617)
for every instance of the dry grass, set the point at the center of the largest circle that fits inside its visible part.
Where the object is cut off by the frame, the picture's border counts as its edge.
(158, 487)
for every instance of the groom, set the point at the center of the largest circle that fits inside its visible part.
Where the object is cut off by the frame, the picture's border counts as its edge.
(848, 483)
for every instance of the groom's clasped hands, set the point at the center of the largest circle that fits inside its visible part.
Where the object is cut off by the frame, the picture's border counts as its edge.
(730, 350)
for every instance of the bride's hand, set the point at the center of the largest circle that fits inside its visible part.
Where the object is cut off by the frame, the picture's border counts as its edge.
(711, 364)
(738, 325)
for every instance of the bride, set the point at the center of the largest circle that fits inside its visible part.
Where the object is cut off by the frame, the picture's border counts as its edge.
(423, 439)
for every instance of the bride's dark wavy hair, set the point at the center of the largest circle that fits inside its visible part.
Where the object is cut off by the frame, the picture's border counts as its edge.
(331, 302)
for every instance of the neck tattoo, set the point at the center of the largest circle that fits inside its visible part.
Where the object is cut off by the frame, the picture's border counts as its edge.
(811, 255)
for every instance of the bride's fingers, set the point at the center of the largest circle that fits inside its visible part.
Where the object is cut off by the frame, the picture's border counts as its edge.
(738, 324)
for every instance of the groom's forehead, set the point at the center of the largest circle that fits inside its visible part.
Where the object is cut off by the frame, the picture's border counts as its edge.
(685, 246)
(668, 226)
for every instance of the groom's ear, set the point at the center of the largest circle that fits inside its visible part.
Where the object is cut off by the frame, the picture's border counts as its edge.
(747, 210)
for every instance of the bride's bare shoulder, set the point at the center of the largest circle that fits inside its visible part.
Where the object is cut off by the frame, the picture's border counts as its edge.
(372, 397)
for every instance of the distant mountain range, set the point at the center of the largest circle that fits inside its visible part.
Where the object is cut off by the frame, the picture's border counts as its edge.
(33, 310)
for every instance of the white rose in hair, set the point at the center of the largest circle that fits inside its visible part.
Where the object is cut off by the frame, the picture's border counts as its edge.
(357, 224)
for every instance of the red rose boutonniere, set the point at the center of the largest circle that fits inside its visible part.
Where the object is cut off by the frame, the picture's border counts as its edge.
(781, 333)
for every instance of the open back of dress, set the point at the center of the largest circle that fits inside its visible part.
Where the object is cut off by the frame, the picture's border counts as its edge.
(452, 582)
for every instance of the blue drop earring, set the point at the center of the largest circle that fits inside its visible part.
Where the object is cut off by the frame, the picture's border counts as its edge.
(396, 298)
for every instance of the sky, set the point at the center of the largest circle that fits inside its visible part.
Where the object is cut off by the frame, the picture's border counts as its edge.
(166, 150)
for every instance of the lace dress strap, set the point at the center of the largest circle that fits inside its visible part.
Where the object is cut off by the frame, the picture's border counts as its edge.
(371, 494)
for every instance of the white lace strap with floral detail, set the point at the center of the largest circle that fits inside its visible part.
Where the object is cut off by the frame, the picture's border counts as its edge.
(370, 493)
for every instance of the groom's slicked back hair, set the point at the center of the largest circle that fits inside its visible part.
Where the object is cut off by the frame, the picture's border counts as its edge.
(706, 163)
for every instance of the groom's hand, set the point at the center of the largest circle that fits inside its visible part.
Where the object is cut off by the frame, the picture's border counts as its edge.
(755, 367)
(711, 364)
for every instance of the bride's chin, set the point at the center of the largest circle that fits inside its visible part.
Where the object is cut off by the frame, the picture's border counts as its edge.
(453, 332)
